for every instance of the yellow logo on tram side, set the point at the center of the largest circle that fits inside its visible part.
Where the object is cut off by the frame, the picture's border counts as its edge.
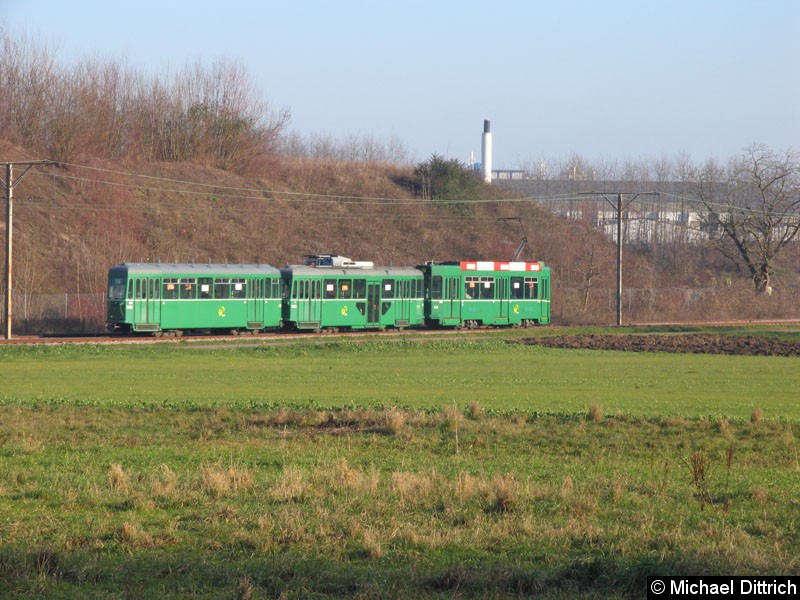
(221, 312)
(516, 309)
(344, 310)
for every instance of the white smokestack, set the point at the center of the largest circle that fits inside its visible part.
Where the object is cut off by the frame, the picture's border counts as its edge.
(486, 152)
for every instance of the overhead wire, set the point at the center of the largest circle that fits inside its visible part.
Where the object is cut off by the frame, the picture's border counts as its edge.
(249, 193)
(218, 191)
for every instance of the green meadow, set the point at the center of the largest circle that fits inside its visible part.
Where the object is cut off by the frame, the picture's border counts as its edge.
(390, 467)
(405, 373)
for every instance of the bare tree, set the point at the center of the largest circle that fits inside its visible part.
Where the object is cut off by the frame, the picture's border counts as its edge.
(752, 208)
(27, 79)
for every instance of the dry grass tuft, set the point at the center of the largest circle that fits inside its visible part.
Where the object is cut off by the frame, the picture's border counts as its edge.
(452, 418)
(412, 487)
(343, 476)
(475, 410)
(759, 495)
(165, 482)
(133, 535)
(372, 543)
(566, 487)
(244, 588)
(291, 486)
(217, 482)
(394, 421)
(467, 487)
(117, 478)
(505, 492)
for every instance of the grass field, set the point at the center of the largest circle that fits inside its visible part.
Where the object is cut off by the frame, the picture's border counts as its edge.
(395, 468)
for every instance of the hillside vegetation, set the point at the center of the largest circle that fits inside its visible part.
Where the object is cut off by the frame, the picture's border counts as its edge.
(72, 222)
(196, 167)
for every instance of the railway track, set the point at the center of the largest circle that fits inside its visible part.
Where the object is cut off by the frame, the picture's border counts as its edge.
(284, 336)
(281, 336)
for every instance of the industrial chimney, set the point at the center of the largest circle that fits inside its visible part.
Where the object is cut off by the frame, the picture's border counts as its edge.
(486, 152)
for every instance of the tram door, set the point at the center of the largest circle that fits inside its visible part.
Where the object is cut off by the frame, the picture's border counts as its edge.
(402, 300)
(256, 292)
(502, 298)
(147, 304)
(451, 307)
(309, 306)
(373, 304)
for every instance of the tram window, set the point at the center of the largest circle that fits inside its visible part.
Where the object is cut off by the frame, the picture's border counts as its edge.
(205, 287)
(222, 288)
(345, 289)
(487, 288)
(531, 288)
(116, 288)
(388, 288)
(188, 289)
(329, 292)
(359, 289)
(169, 288)
(436, 287)
(471, 287)
(517, 288)
(238, 288)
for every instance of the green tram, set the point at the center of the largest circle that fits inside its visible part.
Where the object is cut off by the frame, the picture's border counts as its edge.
(475, 293)
(159, 297)
(334, 292)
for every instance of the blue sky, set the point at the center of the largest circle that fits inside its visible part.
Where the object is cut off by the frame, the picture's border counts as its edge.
(612, 80)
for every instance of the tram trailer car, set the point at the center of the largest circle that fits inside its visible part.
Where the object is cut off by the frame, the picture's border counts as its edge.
(475, 293)
(327, 292)
(333, 292)
(174, 298)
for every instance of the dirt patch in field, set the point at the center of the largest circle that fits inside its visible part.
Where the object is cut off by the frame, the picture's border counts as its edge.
(680, 343)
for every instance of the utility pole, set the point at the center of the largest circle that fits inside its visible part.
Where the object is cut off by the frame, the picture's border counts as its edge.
(9, 184)
(618, 208)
